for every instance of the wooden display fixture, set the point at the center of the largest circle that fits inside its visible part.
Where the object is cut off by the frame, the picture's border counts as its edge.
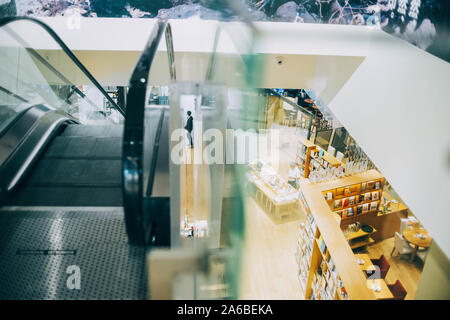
(317, 274)
(304, 155)
(308, 157)
(355, 196)
(360, 238)
(328, 245)
(279, 203)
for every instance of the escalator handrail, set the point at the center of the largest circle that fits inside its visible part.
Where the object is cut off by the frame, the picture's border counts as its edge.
(68, 52)
(133, 136)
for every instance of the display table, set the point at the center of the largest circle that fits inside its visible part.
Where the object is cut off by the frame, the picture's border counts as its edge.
(277, 196)
(384, 292)
(413, 236)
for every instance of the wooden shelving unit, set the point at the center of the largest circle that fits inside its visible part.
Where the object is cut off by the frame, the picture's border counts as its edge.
(352, 197)
(360, 239)
(317, 273)
(328, 268)
(311, 157)
(304, 156)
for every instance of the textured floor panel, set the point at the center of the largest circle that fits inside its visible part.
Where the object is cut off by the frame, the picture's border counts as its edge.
(110, 268)
(68, 196)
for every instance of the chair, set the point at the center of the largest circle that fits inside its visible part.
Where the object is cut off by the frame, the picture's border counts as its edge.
(398, 291)
(403, 224)
(380, 264)
(401, 245)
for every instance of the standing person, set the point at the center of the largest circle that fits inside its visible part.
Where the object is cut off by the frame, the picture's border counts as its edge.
(188, 127)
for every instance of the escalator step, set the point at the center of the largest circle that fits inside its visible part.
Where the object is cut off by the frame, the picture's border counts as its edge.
(85, 147)
(93, 131)
(79, 172)
(81, 167)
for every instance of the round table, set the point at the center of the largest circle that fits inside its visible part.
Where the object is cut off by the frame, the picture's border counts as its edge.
(410, 234)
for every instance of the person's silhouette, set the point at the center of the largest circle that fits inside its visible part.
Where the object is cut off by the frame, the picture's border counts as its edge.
(189, 127)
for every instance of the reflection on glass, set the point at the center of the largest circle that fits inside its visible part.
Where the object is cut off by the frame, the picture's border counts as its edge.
(35, 70)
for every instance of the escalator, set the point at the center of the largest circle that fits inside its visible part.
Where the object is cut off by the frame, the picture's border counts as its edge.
(61, 203)
(87, 195)
(80, 167)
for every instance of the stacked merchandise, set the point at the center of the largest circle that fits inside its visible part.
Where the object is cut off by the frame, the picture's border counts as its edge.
(264, 175)
(317, 273)
(303, 254)
(353, 200)
(316, 164)
(301, 157)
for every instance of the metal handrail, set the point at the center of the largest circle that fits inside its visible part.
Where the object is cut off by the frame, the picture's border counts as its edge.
(138, 229)
(137, 224)
(68, 52)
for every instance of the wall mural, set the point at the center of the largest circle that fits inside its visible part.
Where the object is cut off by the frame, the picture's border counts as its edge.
(424, 23)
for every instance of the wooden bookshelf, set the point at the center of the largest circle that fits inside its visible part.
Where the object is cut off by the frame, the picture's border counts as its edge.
(308, 157)
(317, 273)
(350, 281)
(355, 196)
(303, 157)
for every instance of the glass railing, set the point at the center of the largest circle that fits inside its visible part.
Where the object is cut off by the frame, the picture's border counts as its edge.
(36, 67)
(201, 192)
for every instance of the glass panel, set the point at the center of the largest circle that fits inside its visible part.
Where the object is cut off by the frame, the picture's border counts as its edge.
(34, 69)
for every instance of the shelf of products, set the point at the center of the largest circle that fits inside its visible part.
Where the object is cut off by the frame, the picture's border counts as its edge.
(333, 272)
(354, 200)
(304, 148)
(276, 194)
(317, 273)
(313, 159)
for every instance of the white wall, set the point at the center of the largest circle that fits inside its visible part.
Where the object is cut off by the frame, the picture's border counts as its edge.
(397, 106)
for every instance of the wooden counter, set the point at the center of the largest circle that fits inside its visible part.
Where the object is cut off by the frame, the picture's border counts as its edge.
(353, 279)
(384, 293)
(368, 265)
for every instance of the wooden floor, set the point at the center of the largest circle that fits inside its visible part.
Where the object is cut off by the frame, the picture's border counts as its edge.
(194, 189)
(400, 267)
(269, 267)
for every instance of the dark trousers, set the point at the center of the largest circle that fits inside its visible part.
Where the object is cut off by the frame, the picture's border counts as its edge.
(189, 135)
